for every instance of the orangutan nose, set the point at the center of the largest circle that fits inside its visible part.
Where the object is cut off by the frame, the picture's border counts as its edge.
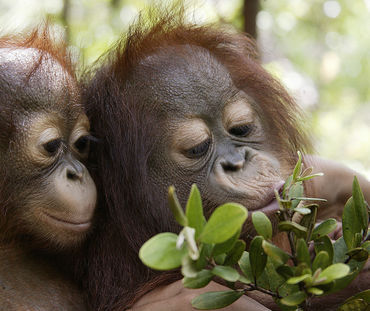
(233, 162)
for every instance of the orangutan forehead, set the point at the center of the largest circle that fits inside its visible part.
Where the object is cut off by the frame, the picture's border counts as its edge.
(34, 64)
(35, 76)
(186, 78)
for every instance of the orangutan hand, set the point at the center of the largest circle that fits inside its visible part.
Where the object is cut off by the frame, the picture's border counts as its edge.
(175, 297)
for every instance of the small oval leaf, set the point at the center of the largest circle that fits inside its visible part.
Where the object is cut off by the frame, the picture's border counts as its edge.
(234, 255)
(275, 253)
(299, 230)
(202, 279)
(245, 265)
(360, 205)
(333, 272)
(257, 256)
(227, 245)
(216, 300)
(303, 254)
(297, 279)
(227, 273)
(262, 224)
(324, 228)
(321, 261)
(315, 291)
(160, 252)
(223, 223)
(350, 224)
(194, 211)
(358, 254)
(294, 299)
(324, 244)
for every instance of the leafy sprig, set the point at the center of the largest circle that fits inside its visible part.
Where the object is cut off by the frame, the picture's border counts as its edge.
(205, 249)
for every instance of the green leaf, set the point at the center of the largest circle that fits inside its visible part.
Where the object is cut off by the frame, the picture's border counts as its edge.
(324, 244)
(360, 205)
(358, 254)
(274, 279)
(302, 210)
(244, 279)
(160, 252)
(223, 223)
(205, 253)
(298, 167)
(200, 280)
(310, 199)
(257, 256)
(354, 305)
(296, 191)
(294, 299)
(286, 186)
(321, 261)
(175, 207)
(366, 245)
(310, 176)
(308, 221)
(299, 230)
(285, 271)
(220, 259)
(333, 272)
(324, 228)
(303, 255)
(227, 273)
(365, 296)
(215, 300)
(194, 211)
(275, 252)
(344, 282)
(315, 291)
(245, 265)
(262, 225)
(350, 224)
(302, 268)
(297, 279)
(340, 250)
(226, 246)
(234, 255)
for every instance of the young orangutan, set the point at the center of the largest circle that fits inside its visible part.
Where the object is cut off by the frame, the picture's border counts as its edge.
(47, 197)
(177, 104)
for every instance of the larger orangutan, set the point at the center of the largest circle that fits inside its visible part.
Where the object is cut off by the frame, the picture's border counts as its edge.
(47, 197)
(177, 104)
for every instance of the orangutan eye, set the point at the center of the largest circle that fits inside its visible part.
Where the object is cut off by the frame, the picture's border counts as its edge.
(53, 146)
(82, 144)
(199, 150)
(241, 130)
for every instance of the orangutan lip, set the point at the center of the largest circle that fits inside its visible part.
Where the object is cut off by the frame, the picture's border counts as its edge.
(79, 226)
(273, 206)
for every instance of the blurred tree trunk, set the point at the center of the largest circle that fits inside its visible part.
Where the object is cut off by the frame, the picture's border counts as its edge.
(65, 20)
(250, 10)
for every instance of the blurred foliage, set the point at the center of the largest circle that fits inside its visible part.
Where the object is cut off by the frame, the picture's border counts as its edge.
(320, 49)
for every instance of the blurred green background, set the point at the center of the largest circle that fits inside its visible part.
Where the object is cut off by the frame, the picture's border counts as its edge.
(319, 49)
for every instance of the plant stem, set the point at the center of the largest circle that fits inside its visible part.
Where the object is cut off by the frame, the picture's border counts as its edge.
(253, 287)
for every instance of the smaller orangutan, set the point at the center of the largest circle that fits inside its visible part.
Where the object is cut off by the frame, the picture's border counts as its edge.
(47, 197)
(177, 104)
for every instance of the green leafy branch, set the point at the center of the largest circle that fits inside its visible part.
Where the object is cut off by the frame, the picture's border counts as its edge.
(208, 249)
